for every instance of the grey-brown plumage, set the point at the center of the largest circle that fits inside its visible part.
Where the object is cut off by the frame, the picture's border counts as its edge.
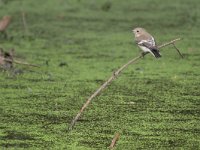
(146, 42)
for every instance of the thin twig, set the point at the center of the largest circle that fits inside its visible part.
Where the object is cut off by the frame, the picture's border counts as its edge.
(169, 43)
(116, 137)
(20, 62)
(177, 50)
(115, 75)
(24, 22)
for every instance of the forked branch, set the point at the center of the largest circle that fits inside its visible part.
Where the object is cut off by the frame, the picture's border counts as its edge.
(114, 76)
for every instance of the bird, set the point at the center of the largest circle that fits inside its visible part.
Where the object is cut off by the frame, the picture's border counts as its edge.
(146, 42)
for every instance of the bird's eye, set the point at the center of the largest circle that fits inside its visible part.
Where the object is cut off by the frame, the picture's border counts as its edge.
(137, 31)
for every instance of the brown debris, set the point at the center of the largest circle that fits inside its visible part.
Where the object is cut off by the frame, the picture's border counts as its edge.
(4, 23)
(6, 59)
(1, 57)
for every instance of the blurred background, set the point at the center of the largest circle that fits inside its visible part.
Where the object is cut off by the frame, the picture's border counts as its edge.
(78, 44)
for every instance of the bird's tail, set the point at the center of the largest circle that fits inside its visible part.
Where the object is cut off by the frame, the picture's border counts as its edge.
(156, 53)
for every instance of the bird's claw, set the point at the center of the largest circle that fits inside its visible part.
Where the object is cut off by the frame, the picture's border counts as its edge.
(143, 54)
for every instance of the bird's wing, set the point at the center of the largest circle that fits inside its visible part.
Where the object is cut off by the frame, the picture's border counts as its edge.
(150, 43)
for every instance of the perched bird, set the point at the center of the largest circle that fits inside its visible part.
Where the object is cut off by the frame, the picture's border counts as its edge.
(146, 42)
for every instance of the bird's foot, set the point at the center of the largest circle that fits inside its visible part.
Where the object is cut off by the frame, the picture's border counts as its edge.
(143, 54)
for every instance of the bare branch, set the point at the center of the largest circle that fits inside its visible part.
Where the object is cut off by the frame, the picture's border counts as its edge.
(115, 75)
(178, 50)
(169, 43)
(20, 62)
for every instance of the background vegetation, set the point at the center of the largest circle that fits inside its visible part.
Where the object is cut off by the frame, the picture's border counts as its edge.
(154, 104)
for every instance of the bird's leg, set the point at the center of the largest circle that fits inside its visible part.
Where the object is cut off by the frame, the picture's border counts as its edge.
(144, 53)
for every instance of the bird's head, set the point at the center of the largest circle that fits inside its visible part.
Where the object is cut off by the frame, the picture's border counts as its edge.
(138, 31)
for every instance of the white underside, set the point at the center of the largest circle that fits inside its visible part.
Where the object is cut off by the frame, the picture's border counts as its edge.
(144, 49)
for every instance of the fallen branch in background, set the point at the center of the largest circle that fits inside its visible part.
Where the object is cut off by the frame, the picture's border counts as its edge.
(21, 62)
(113, 143)
(7, 60)
(114, 76)
(6, 55)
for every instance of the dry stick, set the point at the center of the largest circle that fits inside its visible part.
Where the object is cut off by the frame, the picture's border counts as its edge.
(116, 137)
(177, 50)
(24, 22)
(20, 62)
(115, 74)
